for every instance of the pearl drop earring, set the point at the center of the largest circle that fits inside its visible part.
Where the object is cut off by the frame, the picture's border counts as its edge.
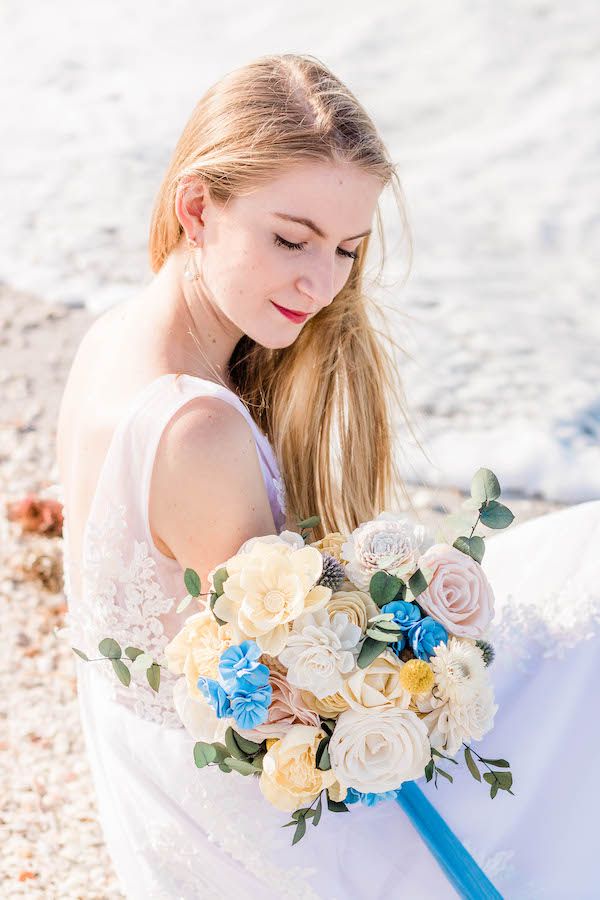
(191, 273)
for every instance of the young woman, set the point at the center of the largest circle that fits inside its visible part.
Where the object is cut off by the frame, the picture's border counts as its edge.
(242, 390)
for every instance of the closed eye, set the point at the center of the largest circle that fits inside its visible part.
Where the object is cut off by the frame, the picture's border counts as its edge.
(281, 242)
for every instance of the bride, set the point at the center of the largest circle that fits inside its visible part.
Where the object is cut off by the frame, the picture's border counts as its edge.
(243, 389)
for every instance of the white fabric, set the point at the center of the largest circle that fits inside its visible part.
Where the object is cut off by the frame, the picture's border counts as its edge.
(174, 831)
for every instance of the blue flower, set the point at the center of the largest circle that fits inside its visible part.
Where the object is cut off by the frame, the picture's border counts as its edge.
(251, 707)
(354, 796)
(240, 669)
(426, 635)
(405, 613)
(216, 696)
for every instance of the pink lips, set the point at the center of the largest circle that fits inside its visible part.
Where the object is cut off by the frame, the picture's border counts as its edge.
(290, 314)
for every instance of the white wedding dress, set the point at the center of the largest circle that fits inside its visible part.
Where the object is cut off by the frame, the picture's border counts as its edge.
(174, 831)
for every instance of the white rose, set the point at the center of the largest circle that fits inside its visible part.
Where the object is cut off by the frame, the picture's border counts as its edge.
(319, 652)
(198, 717)
(378, 685)
(377, 750)
(389, 543)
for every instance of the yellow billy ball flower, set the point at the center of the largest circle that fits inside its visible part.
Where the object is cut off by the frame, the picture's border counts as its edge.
(417, 676)
(271, 742)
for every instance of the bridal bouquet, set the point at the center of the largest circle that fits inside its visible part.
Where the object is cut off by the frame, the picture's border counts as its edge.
(339, 669)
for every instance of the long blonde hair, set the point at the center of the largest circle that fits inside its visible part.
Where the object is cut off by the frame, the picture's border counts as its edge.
(325, 402)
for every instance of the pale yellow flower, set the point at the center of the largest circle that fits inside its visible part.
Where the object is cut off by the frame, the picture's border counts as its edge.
(196, 649)
(378, 686)
(417, 676)
(290, 778)
(267, 589)
(331, 544)
(328, 707)
(358, 606)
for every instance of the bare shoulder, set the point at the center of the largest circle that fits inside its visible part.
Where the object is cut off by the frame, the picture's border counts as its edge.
(207, 493)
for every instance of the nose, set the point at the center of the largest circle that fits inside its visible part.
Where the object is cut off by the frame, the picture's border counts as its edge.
(318, 285)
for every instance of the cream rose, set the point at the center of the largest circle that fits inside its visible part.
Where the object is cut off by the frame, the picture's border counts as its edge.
(290, 778)
(377, 750)
(267, 589)
(331, 544)
(378, 685)
(459, 594)
(358, 606)
(327, 707)
(389, 543)
(196, 649)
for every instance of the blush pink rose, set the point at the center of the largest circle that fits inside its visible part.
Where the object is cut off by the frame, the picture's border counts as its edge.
(459, 594)
(286, 709)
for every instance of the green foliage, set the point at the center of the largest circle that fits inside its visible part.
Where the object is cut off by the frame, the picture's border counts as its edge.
(123, 673)
(383, 588)
(322, 756)
(417, 583)
(496, 515)
(498, 781)
(81, 654)
(133, 653)
(472, 765)
(485, 486)
(204, 754)
(370, 650)
(471, 546)
(311, 522)
(213, 599)
(242, 766)
(192, 582)
(153, 676)
(110, 648)
(219, 579)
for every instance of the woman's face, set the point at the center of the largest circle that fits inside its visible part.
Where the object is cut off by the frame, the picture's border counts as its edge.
(248, 266)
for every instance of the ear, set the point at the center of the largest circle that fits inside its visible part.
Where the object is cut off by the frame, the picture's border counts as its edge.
(190, 200)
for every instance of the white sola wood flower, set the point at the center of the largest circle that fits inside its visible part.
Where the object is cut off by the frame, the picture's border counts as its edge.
(388, 542)
(319, 652)
(449, 722)
(459, 670)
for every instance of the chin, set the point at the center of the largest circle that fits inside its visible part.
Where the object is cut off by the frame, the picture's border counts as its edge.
(274, 341)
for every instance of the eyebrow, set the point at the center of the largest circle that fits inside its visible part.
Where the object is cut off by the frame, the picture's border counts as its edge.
(310, 224)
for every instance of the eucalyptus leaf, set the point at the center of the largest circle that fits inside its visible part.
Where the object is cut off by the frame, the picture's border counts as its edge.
(502, 763)
(219, 579)
(381, 635)
(493, 791)
(248, 747)
(311, 522)
(81, 654)
(318, 811)
(123, 673)
(471, 504)
(435, 752)
(133, 653)
(322, 756)
(472, 765)
(232, 745)
(192, 582)
(496, 515)
(444, 774)
(299, 832)
(224, 767)
(110, 648)
(485, 485)
(429, 770)
(471, 546)
(153, 676)
(183, 604)
(383, 588)
(204, 754)
(504, 780)
(336, 805)
(370, 650)
(417, 583)
(221, 752)
(240, 765)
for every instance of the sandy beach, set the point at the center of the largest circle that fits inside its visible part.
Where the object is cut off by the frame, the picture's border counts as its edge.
(52, 841)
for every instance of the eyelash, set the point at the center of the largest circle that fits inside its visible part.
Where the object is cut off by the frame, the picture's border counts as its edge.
(281, 242)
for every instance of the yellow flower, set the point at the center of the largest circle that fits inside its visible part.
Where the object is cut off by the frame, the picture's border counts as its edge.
(327, 707)
(358, 606)
(267, 589)
(378, 686)
(196, 649)
(271, 742)
(332, 544)
(290, 778)
(417, 676)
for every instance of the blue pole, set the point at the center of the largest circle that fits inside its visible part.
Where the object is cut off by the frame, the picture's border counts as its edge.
(458, 865)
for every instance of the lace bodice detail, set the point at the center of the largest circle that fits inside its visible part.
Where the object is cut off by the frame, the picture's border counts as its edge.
(129, 589)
